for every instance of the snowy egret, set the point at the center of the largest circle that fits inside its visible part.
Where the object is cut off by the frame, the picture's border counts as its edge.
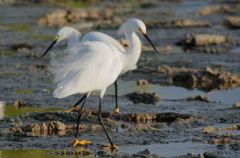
(71, 36)
(91, 66)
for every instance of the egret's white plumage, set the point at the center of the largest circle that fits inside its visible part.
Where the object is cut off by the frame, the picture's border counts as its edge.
(95, 62)
(99, 36)
(72, 37)
(128, 29)
(92, 67)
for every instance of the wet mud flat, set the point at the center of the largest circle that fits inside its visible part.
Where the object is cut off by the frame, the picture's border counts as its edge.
(183, 102)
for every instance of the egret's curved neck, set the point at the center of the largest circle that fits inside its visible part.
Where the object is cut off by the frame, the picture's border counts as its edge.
(133, 52)
(73, 40)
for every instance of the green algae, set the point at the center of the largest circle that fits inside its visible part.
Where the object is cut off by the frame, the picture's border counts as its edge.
(10, 110)
(19, 27)
(24, 91)
(36, 153)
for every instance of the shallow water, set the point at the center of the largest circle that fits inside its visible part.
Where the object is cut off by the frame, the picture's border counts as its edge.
(170, 149)
(229, 96)
(235, 50)
(168, 93)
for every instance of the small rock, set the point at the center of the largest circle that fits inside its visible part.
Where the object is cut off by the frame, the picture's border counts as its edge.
(213, 9)
(182, 23)
(164, 69)
(138, 117)
(210, 155)
(200, 40)
(232, 22)
(22, 47)
(146, 98)
(170, 117)
(56, 18)
(209, 130)
(142, 82)
(237, 104)
(184, 121)
(49, 128)
(198, 98)
(186, 78)
(206, 79)
(18, 104)
(72, 16)
(191, 23)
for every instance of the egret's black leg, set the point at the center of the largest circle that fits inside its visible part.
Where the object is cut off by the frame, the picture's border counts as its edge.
(80, 100)
(116, 110)
(116, 94)
(101, 123)
(83, 99)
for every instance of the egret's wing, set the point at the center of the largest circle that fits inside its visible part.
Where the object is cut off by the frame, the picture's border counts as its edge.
(90, 66)
(62, 59)
(99, 36)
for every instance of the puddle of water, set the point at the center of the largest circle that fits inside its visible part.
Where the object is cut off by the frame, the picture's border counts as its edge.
(35, 154)
(10, 110)
(170, 149)
(190, 6)
(235, 50)
(184, 7)
(230, 96)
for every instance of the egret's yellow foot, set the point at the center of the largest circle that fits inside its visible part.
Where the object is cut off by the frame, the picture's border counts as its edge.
(116, 111)
(78, 142)
(110, 147)
(71, 109)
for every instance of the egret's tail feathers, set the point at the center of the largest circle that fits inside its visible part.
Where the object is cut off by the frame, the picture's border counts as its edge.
(62, 92)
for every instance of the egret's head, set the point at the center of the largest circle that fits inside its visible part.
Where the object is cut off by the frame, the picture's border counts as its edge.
(66, 32)
(135, 25)
(132, 25)
(63, 35)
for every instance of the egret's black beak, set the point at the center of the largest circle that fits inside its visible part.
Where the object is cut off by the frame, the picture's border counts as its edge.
(50, 47)
(148, 39)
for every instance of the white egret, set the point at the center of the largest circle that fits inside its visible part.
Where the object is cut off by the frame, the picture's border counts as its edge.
(91, 66)
(72, 37)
